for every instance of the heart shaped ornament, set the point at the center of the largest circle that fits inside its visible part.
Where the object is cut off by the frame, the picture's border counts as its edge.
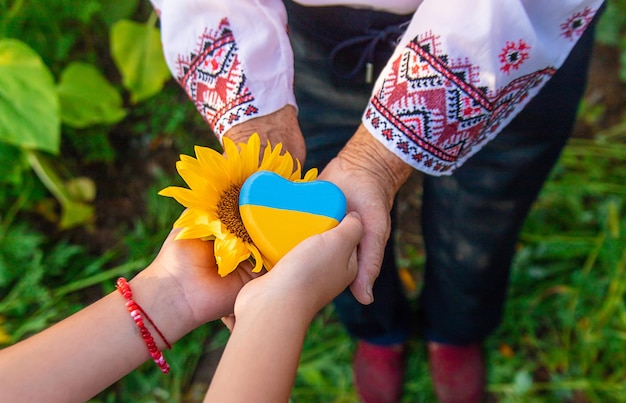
(279, 214)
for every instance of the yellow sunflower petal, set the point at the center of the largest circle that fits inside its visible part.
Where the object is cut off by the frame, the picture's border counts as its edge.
(250, 156)
(184, 196)
(206, 192)
(310, 175)
(194, 179)
(209, 158)
(271, 157)
(229, 252)
(267, 153)
(186, 159)
(258, 258)
(194, 216)
(214, 167)
(192, 199)
(233, 161)
(189, 163)
(278, 148)
(295, 175)
(283, 166)
(192, 173)
(205, 232)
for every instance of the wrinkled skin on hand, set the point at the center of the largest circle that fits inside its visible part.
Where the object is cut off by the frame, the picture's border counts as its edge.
(370, 176)
(278, 127)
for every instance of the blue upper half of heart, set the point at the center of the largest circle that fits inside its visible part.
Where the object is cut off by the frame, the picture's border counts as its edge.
(265, 188)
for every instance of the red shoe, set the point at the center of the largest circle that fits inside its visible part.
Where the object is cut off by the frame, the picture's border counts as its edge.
(457, 372)
(379, 372)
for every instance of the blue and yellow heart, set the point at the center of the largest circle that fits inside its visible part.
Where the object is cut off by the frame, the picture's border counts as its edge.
(278, 213)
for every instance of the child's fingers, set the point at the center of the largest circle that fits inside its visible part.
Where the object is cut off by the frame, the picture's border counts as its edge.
(349, 231)
(341, 243)
(323, 255)
(315, 271)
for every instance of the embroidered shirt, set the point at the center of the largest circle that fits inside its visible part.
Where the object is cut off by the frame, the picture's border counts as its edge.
(462, 70)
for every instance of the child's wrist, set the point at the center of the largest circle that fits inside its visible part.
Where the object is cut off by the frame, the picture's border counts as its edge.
(160, 299)
(255, 299)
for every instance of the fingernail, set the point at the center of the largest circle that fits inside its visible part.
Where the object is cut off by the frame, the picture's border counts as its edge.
(370, 292)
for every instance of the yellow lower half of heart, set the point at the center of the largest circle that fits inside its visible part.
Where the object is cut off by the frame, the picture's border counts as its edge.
(276, 231)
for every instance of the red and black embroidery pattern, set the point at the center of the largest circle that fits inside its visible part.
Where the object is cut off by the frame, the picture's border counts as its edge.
(214, 79)
(431, 109)
(513, 55)
(575, 25)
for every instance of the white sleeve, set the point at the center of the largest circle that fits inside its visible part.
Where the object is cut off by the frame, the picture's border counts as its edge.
(232, 57)
(464, 70)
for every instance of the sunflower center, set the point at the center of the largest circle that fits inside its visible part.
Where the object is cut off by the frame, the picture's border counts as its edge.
(228, 213)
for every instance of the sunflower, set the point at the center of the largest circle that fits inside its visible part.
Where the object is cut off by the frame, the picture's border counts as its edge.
(212, 200)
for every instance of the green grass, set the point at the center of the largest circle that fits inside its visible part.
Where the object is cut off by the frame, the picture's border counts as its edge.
(566, 320)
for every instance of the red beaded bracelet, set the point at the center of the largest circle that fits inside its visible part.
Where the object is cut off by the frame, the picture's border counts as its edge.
(136, 313)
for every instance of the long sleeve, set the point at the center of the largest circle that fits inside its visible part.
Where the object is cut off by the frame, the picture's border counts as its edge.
(233, 58)
(464, 70)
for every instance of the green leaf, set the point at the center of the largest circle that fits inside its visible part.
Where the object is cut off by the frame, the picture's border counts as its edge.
(87, 98)
(29, 105)
(136, 50)
(74, 212)
(12, 162)
(81, 189)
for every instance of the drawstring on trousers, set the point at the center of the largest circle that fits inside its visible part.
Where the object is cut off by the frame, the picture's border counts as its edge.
(390, 36)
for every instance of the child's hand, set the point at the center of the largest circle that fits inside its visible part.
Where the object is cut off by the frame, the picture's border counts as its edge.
(194, 287)
(311, 275)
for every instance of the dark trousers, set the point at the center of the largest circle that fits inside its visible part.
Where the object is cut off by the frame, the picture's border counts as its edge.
(471, 219)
